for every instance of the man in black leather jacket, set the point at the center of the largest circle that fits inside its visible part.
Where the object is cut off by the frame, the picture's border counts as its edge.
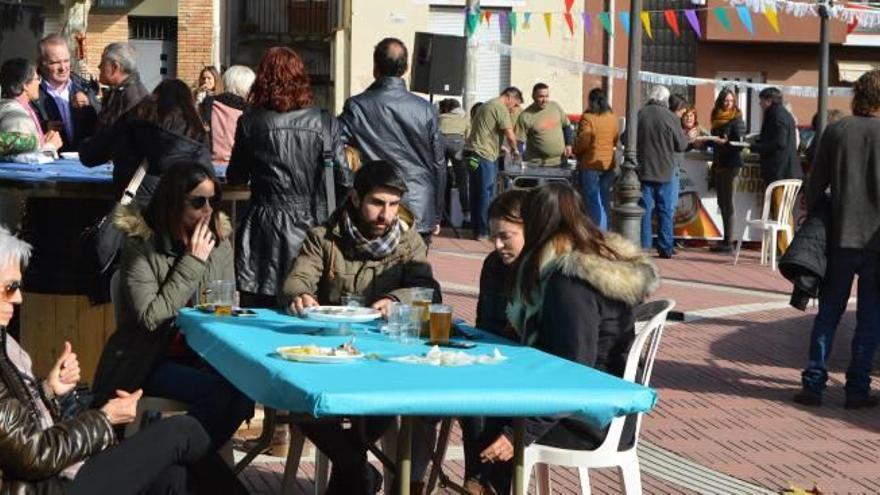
(387, 122)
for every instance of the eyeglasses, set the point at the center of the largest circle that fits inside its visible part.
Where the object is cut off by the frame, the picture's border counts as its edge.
(11, 288)
(199, 202)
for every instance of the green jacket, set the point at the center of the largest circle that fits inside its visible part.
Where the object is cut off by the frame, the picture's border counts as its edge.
(329, 266)
(155, 282)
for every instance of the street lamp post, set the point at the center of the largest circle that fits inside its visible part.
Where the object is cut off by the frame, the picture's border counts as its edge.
(823, 66)
(627, 212)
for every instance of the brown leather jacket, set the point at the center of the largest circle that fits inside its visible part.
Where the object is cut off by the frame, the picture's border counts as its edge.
(30, 457)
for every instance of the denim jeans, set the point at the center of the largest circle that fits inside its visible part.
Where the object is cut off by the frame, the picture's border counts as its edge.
(212, 400)
(843, 265)
(482, 183)
(657, 196)
(596, 190)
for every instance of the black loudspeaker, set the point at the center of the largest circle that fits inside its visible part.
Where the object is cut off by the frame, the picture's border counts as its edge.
(438, 64)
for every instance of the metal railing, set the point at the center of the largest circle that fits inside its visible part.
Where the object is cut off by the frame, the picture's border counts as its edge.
(291, 17)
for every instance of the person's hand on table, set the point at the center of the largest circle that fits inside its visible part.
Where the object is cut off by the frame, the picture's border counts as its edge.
(122, 409)
(64, 376)
(382, 305)
(202, 241)
(302, 302)
(53, 138)
(80, 100)
(501, 450)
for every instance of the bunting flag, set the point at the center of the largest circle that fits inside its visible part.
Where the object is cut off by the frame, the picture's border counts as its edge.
(721, 14)
(511, 18)
(568, 5)
(548, 22)
(488, 16)
(473, 20)
(605, 20)
(770, 14)
(691, 16)
(672, 20)
(746, 18)
(527, 20)
(624, 21)
(588, 25)
(646, 22)
(569, 20)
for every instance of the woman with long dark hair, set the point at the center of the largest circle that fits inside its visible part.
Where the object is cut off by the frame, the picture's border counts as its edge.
(727, 126)
(597, 137)
(162, 129)
(279, 148)
(574, 296)
(173, 250)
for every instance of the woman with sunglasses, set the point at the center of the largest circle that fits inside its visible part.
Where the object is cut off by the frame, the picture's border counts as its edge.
(41, 453)
(173, 249)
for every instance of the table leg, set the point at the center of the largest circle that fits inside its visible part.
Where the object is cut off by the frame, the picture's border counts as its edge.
(263, 442)
(519, 449)
(404, 455)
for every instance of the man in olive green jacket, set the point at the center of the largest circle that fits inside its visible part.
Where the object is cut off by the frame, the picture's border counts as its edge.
(367, 248)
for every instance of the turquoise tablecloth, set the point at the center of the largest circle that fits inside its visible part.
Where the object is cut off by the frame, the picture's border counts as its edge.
(528, 383)
(65, 171)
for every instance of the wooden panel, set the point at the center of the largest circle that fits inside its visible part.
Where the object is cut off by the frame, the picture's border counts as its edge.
(91, 335)
(38, 329)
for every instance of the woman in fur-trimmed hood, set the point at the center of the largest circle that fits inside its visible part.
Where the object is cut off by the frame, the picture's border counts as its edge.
(173, 249)
(574, 296)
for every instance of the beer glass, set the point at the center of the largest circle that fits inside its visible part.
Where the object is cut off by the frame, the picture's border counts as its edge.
(421, 297)
(440, 323)
(220, 295)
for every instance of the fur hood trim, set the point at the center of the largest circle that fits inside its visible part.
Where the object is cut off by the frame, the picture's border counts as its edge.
(630, 280)
(131, 222)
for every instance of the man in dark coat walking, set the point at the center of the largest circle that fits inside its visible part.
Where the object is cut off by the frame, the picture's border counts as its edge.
(388, 123)
(847, 163)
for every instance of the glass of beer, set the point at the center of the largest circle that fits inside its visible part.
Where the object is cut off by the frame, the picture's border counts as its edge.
(441, 323)
(421, 297)
(221, 294)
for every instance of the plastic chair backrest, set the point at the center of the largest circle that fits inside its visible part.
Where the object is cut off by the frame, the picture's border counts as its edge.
(790, 189)
(650, 321)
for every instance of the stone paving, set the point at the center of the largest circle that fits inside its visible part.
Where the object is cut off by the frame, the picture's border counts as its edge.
(725, 376)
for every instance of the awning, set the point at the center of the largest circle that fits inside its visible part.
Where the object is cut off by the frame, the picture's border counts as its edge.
(850, 70)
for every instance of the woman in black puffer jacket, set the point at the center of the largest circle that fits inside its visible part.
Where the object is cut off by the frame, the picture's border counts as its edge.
(279, 149)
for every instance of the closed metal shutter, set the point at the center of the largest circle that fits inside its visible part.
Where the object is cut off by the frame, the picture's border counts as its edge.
(494, 69)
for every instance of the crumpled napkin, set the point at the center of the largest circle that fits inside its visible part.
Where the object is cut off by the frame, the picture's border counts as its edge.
(436, 357)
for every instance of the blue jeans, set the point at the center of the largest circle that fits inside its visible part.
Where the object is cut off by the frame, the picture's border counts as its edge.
(596, 190)
(843, 265)
(676, 190)
(482, 185)
(658, 196)
(219, 407)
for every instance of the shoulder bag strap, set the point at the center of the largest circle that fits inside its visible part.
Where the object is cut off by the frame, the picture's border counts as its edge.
(134, 184)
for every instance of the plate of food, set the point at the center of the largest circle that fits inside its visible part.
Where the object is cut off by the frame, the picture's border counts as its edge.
(341, 314)
(70, 155)
(316, 354)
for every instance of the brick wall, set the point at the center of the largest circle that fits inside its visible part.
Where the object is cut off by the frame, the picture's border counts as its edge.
(194, 38)
(103, 29)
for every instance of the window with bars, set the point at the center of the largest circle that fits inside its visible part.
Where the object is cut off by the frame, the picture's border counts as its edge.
(152, 28)
(668, 53)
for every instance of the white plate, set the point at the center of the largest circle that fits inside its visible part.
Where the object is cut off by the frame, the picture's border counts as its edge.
(70, 155)
(285, 353)
(739, 144)
(342, 314)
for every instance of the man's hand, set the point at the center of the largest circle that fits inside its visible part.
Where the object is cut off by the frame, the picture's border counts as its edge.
(568, 151)
(382, 305)
(302, 302)
(501, 450)
(53, 138)
(436, 230)
(80, 100)
(64, 376)
(122, 409)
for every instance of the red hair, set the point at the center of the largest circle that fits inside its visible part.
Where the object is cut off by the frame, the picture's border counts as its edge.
(282, 82)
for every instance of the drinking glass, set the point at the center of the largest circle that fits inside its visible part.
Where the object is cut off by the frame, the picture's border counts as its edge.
(399, 319)
(441, 323)
(421, 297)
(353, 300)
(221, 294)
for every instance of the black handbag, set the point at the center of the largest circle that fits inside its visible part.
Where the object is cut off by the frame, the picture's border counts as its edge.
(105, 238)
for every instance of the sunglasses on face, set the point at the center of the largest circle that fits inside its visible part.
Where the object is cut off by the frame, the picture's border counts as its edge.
(199, 202)
(11, 288)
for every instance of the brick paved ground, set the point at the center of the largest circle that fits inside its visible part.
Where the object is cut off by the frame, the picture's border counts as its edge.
(724, 380)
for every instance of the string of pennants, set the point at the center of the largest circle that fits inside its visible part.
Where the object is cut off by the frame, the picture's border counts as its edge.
(853, 16)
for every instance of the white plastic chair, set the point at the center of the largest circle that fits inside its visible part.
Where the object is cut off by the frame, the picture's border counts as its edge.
(771, 226)
(650, 320)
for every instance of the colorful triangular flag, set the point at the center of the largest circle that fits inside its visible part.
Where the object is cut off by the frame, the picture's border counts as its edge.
(691, 16)
(646, 22)
(511, 18)
(746, 18)
(605, 20)
(488, 16)
(568, 5)
(548, 22)
(624, 21)
(569, 21)
(672, 20)
(527, 20)
(721, 14)
(770, 14)
(473, 20)
(588, 24)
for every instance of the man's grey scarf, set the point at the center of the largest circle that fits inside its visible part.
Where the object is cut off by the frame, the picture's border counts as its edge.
(377, 248)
